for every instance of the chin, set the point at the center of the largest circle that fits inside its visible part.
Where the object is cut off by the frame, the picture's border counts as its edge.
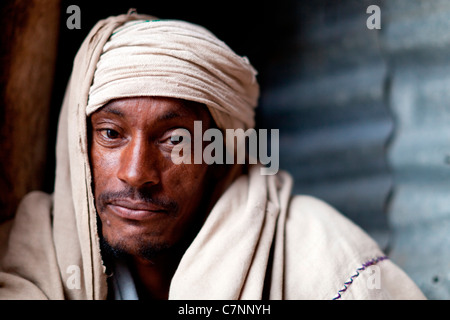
(137, 246)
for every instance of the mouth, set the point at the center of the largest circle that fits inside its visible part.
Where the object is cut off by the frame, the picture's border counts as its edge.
(132, 210)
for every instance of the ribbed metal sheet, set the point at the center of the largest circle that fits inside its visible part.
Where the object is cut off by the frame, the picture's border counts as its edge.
(365, 124)
(327, 98)
(417, 44)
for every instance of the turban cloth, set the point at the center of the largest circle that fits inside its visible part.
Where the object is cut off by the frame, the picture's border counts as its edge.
(176, 59)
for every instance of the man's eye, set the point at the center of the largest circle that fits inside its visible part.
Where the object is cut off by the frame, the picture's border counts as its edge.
(179, 136)
(176, 139)
(110, 133)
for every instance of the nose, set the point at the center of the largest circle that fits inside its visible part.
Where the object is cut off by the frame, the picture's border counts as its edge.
(138, 164)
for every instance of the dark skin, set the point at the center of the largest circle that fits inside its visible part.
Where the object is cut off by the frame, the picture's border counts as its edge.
(149, 208)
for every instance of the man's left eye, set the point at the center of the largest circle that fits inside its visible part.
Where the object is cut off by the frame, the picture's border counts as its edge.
(179, 136)
(176, 139)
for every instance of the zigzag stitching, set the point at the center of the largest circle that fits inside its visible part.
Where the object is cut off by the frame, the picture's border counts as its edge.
(358, 270)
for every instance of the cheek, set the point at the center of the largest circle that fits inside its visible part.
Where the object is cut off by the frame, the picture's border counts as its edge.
(186, 182)
(102, 167)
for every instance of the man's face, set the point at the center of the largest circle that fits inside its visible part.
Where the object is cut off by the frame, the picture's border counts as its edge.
(145, 202)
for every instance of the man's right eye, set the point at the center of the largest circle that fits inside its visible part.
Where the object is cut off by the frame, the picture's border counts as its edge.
(109, 134)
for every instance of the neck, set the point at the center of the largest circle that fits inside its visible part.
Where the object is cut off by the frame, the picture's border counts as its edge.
(155, 275)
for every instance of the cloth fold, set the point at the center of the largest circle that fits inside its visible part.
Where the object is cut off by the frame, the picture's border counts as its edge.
(230, 256)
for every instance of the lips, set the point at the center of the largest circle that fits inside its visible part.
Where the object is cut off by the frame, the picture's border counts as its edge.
(132, 210)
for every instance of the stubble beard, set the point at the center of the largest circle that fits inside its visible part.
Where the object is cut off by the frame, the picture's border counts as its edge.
(120, 250)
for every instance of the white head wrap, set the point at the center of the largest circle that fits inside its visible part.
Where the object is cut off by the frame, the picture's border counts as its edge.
(177, 59)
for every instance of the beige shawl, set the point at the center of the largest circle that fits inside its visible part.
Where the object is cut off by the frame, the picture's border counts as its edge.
(256, 237)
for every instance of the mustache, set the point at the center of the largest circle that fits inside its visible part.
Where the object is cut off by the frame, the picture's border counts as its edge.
(136, 195)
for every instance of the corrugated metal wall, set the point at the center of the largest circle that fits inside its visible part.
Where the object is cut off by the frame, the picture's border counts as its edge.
(363, 119)
(416, 40)
(327, 96)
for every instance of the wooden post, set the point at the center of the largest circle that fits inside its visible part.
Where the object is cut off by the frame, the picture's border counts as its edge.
(29, 39)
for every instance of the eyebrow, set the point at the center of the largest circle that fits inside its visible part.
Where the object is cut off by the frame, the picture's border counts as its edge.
(111, 109)
(169, 115)
(166, 116)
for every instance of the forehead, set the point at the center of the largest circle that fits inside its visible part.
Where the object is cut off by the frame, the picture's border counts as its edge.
(154, 108)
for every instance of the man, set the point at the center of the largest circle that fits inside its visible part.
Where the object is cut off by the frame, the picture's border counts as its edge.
(128, 222)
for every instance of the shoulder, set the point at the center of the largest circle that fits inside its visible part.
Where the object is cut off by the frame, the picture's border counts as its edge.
(322, 224)
(35, 207)
(26, 241)
(323, 249)
(31, 222)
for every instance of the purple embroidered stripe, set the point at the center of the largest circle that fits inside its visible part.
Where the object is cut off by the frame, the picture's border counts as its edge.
(362, 268)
